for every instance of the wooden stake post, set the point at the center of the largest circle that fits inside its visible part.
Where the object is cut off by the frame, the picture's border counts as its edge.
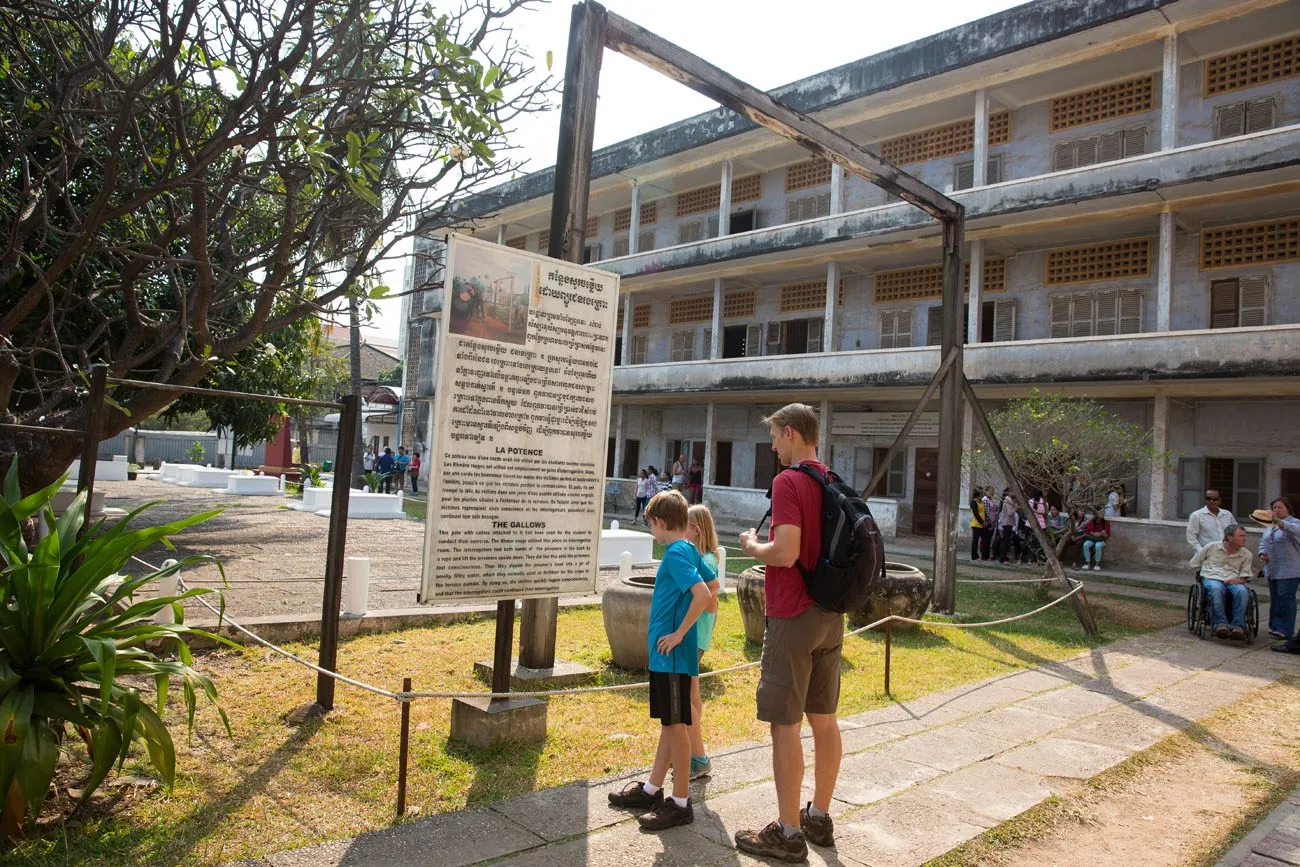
(334, 555)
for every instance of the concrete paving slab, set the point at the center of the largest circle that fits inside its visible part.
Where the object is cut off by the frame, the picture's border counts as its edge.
(1125, 728)
(750, 808)
(865, 737)
(1147, 676)
(1062, 757)
(461, 838)
(981, 697)
(555, 814)
(1073, 702)
(1013, 723)
(1280, 845)
(1036, 680)
(871, 776)
(626, 844)
(908, 830)
(925, 720)
(948, 748)
(991, 790)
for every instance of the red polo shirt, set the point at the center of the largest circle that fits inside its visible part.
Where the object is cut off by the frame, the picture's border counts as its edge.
(796, 500)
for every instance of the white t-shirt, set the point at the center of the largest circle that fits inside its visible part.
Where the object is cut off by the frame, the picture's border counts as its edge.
(1112, 504)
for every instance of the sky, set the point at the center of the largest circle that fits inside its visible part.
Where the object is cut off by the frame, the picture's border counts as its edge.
(761, 42)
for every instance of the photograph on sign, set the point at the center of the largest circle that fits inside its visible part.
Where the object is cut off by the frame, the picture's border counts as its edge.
(521, 423)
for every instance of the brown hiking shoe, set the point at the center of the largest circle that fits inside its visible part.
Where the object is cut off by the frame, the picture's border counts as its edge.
(633, 797)
(771, 842)
(820, 831)
(667, 815)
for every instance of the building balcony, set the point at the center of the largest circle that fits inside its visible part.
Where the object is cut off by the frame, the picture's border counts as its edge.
(1221, 362)
(1147, 182)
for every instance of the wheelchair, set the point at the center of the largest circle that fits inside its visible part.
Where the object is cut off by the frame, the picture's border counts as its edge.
(1198, 611)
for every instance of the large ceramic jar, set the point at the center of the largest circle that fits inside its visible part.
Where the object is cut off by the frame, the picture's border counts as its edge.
(625, 607)
(905, 591)
(750, 587)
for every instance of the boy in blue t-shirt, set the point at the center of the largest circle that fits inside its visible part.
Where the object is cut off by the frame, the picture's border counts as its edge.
(681, 594)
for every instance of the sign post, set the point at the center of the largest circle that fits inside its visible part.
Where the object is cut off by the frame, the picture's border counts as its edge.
(518, 466)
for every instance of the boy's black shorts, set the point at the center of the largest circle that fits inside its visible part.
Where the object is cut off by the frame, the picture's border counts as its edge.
(670, 698)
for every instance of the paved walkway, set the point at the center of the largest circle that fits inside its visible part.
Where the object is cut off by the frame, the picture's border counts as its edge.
(918, 778)
(1274, 842)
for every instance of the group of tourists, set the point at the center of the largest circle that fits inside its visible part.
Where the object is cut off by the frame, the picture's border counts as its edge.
(394, 469)
(1225, 565)
(1000, 532)
(800, 667)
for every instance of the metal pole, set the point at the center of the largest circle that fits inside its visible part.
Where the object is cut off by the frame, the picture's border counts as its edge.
(502, 655)
(403, 751)
(1078, 602)
(338, 536)
(90, 443)
(888, 651)
(950, 417)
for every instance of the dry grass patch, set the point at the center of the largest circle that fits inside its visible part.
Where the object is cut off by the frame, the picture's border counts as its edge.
(274, 787)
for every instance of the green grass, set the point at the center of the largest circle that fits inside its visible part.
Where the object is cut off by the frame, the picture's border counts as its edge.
(273, 787)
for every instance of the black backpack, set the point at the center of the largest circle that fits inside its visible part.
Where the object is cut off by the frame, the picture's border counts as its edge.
(852, 556)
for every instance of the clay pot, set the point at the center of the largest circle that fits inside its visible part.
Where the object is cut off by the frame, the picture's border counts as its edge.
(625, 607)
(750, 587)
(905, 591)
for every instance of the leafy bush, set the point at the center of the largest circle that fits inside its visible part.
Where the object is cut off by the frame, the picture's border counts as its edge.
(373, 480)
(311, 473)
(72, 642)
(195, 453)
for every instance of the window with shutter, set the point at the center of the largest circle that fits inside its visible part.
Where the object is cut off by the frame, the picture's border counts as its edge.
(1230, 120)
(689, 233)
(1105, 307)
(773, 339)
(815, 335)
(591, 253)
(963, 176)
(754, 341)
(1260, 114)
(1063, 156)
(1135, 141)
(1004, 320)
(645, 241)
(1223, 304)
(1130, 311)
(712, 231)
(639, 343)
(1110, 146)
(620, 246)
(706, 348)
(1081, 314)
(1060, 316)
(895, 329)
(993, 171)
(1085, 151)
(1253, 301)
(683, 345)
(934, 326)
(808, 208)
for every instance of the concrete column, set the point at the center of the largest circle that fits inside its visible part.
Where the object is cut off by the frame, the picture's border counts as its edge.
(976, 298)
(724, 201)
(1159, 467)
(824, 432)
(620, 434)
(829, 336)
(710, 444)
(837, 188)
(627, 330)
(501, 233)
(634, 230)
(715, 343)
(1169, 95)
(981, 153)
(1165, 271)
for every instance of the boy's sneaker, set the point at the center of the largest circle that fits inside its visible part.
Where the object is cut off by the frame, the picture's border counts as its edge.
(667, 815)
(633, 797)
(818, 830)
(771, 842)
(701, 766)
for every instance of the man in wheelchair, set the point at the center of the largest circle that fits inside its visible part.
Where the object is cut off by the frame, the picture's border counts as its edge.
(1225, 567)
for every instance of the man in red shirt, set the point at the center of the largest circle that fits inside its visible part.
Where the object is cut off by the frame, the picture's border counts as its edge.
(800, 671)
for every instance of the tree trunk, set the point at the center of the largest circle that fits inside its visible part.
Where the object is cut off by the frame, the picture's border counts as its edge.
(354, 357)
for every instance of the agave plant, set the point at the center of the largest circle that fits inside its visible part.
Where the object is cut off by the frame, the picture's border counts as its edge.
(73, 643)
(373, 479)
(311, 473)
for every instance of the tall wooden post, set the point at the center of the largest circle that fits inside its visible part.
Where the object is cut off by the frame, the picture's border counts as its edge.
(950, 418)
(568, 234)
(334, 555)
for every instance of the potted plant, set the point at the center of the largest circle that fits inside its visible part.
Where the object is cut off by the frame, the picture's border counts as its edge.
(72, 641)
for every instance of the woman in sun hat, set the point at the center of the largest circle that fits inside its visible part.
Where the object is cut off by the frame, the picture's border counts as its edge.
(1280, 551)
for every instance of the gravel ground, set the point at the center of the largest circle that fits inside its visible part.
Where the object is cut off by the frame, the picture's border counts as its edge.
(274, 557)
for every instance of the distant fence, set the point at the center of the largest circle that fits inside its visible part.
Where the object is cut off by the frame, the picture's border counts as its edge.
(147, 446)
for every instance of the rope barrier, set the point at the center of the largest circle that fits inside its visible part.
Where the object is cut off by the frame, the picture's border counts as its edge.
(404, 696)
